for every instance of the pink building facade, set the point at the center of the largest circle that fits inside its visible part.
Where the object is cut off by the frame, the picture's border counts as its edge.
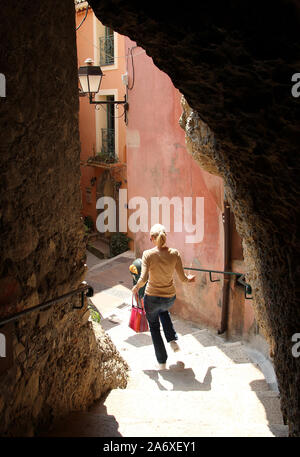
(160, 167)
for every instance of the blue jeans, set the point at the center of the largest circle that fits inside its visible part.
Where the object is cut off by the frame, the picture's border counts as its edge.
(157, 311)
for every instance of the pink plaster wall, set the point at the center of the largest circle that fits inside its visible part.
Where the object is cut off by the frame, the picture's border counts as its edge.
(159, 165)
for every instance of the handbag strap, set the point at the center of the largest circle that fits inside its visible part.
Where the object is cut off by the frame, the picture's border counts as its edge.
(137, 301)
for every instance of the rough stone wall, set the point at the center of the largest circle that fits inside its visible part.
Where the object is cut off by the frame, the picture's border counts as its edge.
(57, 363)
(233, 62)
(62, 362)
(199, 139)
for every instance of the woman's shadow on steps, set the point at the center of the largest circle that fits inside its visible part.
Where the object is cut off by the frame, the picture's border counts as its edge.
(182, 379)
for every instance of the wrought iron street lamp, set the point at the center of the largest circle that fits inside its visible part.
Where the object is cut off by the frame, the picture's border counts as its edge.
(90, 77)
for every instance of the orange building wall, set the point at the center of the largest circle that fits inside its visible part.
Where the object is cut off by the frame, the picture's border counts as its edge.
(87, 124)
(87, 43)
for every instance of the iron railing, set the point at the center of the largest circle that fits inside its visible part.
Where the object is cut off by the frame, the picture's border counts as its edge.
(83, 290)
(239, 277)
(106, 50)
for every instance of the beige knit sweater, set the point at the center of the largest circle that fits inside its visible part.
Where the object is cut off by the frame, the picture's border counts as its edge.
(158, 266)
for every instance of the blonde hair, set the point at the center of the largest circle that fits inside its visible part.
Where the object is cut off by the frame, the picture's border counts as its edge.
(158, 231)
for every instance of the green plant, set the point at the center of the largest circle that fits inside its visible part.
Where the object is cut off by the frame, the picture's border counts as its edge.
(95, 315)
(118, 243)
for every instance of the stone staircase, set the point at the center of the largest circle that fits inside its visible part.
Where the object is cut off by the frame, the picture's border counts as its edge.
(211, 388)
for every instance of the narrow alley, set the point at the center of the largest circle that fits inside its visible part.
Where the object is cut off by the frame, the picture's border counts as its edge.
(211, 388)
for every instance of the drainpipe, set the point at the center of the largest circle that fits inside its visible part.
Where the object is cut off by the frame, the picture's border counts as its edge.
(227, 267)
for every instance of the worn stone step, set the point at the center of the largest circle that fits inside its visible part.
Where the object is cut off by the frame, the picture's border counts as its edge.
(197, 378)
(138, 351)
(197, 343)
(173, 379)
(242, 376)
(95, 250)
(207, 407)
(101, 425)
(206, 337)
(228, 353)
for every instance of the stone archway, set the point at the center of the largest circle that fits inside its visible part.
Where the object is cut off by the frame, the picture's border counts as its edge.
(234, 62)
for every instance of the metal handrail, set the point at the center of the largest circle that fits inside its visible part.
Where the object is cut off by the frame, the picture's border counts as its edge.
(81, 290)
(240, 279)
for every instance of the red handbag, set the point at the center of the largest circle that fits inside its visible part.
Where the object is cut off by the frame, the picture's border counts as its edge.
(138, 320)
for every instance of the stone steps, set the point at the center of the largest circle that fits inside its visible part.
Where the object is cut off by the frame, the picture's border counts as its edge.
(207, 407)
(218, 376)
(103, 425)
(246, 377)
(178, 413)
(211, 388)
